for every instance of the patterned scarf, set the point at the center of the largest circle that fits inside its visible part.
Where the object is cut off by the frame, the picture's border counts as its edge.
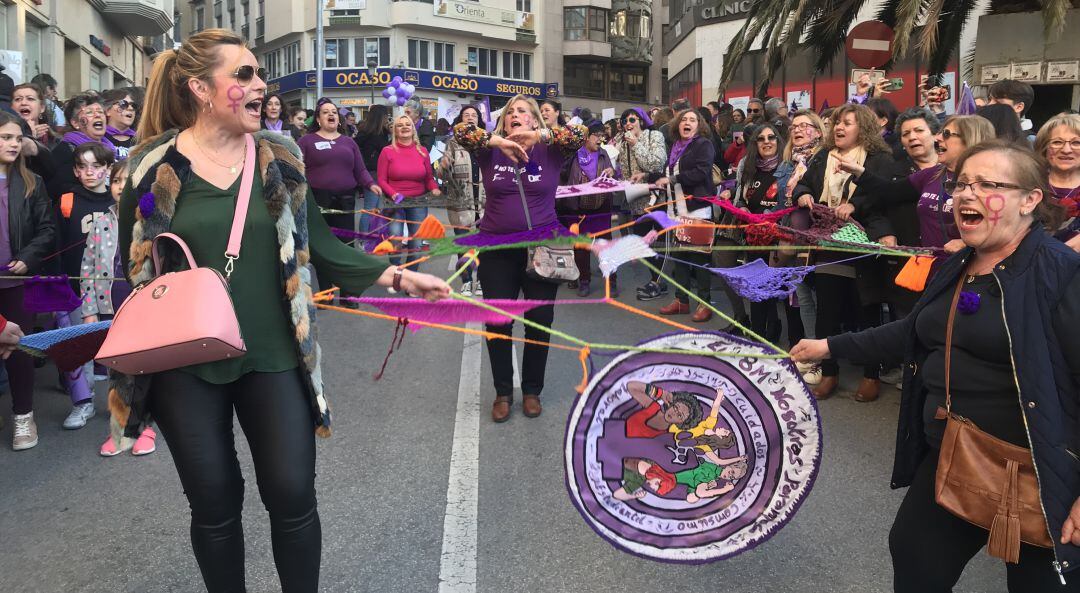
(768, 164)
(801, 154)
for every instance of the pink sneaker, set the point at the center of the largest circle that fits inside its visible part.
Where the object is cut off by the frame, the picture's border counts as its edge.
(108, 448)
(145, 443)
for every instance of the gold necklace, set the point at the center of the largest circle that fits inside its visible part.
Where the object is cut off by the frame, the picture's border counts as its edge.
(232, 168)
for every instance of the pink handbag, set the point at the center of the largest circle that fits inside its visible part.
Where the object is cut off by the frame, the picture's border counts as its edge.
(191, 312)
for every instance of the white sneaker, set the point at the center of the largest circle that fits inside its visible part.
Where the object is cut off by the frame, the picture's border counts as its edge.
(79, 415)
(813, 376)
(466, 289)
(25, 432)
(893, 377)
(804, 367)
(477, 289)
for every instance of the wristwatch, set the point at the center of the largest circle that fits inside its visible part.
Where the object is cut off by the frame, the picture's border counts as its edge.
(398, 273)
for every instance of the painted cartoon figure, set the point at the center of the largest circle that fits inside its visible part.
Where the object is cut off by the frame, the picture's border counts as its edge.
(705, 436)
(662, 411)
(707, 480)
(639, 473)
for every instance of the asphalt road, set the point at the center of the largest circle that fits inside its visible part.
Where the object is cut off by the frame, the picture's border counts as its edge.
(71, 521)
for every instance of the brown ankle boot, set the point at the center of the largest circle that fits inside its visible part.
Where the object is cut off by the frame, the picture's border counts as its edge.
(826, 387)
(530, 406)
(675, 308)
(701, 315)
(500, 411)
(868, 391)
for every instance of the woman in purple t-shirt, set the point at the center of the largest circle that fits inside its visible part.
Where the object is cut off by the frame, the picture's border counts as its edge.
(522, 147)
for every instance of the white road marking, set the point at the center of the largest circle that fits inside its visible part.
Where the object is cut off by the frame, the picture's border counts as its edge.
(517, 369)
(870, 44)
(457, 567)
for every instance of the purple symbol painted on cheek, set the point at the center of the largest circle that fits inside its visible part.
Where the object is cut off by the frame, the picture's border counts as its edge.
(235, 94)
(995, 203)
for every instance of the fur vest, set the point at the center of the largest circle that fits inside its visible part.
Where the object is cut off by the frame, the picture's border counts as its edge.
(160, 169)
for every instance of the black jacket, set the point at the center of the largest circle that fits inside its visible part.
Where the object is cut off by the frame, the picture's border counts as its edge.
(425, 134)
(371, 146)
(695, 172)
(872, 219)
(31, 227)
(1039, 283)
(63, 180)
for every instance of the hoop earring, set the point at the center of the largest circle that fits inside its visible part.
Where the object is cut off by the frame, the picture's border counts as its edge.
(209, 105)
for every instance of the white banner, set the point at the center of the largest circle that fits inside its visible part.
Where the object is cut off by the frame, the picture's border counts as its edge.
(448, 109)
(12, 61)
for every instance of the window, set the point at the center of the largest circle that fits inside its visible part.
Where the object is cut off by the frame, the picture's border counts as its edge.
(372, 48)
(272, 63)
(634, 24)
(517, 66)
(419, 53)
(291, 56)
(687, 84)
(200, 18)
(627, 82)
(601, 80)
(3, 25)
(483, 61)
(583, 79)
(33, 61)
(524, 5)
(350, 11)
(585, 23)
(444, 56)
(217, 15)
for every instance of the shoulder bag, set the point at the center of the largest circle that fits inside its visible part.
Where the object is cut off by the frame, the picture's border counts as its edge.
(695, 232)
(985, 480)
(191, 311)
(552, 264)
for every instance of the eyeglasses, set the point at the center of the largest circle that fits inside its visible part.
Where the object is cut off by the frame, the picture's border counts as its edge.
(804, 126)
(980, 188)
(1060, 144)
(88, 112)
(947, 133)
(753, 110)
(245, 74)
(124, 105)
(764, 139)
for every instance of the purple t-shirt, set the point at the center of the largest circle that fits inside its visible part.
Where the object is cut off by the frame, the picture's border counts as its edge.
(936, 223)
(334, 165)
(540, 179)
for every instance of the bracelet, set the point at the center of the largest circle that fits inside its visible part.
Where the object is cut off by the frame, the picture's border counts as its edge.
(398, 273)
(546, 136)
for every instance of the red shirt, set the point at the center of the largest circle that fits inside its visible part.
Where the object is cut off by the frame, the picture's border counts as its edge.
(636, 427)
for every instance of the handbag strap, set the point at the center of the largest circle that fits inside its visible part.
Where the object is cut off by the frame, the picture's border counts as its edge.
(236, 235)
(948, 340)
(524, 202)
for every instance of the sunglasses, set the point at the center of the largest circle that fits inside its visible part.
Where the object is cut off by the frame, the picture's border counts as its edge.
(946, 134)
(763, 139)
(124, 105)
(753, 111)
(245, 74)
(631, 120)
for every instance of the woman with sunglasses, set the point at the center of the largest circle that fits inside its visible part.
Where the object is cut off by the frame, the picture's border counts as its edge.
(641, 151)
(993, 334)
(855, 137)
(203, 102)
(121, 115)
(1058, 142)
(335, 168)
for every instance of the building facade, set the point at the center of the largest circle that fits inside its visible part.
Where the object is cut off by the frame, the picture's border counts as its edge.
(695, 47)
(588, 53)
(84, 44)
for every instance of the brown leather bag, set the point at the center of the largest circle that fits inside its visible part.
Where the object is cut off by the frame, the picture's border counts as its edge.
(985, 480)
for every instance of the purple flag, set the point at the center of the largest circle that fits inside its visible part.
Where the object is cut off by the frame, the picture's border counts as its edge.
(966, 104)
(660, 217)
(824, 106)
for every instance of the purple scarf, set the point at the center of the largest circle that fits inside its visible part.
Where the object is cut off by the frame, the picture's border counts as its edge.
(588, 162)
(111, 131)
(768, 164)
(273, 127)
(678, 149)
(76, 138)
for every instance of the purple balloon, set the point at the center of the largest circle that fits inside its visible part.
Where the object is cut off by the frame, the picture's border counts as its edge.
(396, 80)
(390, 92)
(386, 94)
(401, 101)
(395, 84)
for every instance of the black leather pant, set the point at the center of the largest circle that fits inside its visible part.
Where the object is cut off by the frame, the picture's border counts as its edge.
(196, 419)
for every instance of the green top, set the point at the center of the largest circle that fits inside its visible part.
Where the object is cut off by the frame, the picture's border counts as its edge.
(203, 220)
(702, 474)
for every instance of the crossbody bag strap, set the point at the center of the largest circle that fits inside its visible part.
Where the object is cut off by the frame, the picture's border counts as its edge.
(948, 340)
(236, 235)
(524, 202)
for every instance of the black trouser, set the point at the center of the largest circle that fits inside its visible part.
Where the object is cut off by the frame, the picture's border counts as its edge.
(502, 274)
(837, 303)
(19, 366)
(729, 258)
(337, 201)
(930, 546)
(466, 276)
(683, 272)
(765, 321)
(196, 419)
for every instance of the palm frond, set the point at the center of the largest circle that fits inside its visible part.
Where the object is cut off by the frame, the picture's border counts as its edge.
(950, 26)
(928, 37)
(1054, 17)
(907, 14)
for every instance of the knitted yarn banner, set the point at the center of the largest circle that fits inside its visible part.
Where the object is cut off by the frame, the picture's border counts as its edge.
(692, 458)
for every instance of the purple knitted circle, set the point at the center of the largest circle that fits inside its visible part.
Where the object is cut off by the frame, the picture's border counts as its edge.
(968, 303)
(146, 204)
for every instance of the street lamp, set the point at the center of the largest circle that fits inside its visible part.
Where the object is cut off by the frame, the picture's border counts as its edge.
(372, 70)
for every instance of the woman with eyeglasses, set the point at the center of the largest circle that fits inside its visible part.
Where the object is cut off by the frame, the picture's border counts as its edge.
(994, 335)
(203, 106)
(855, 138)
(335, 168)
(1058, 142)
(591, 213)
(121, 115)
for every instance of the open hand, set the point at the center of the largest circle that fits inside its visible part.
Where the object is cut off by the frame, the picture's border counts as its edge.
(810, 350)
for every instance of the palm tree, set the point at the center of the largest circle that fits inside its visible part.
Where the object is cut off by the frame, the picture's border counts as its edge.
(820, 26)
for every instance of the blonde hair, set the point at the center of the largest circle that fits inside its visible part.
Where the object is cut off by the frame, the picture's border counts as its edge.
(974, 129)
(814, 120)
(1042, 139)
(169, 103)
(416, 141)
(534, 108)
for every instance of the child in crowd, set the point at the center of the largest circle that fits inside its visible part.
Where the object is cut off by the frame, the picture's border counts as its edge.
(78, 210)
(104, 288)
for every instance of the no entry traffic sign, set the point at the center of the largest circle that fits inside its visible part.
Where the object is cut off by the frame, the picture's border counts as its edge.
(869, 44)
